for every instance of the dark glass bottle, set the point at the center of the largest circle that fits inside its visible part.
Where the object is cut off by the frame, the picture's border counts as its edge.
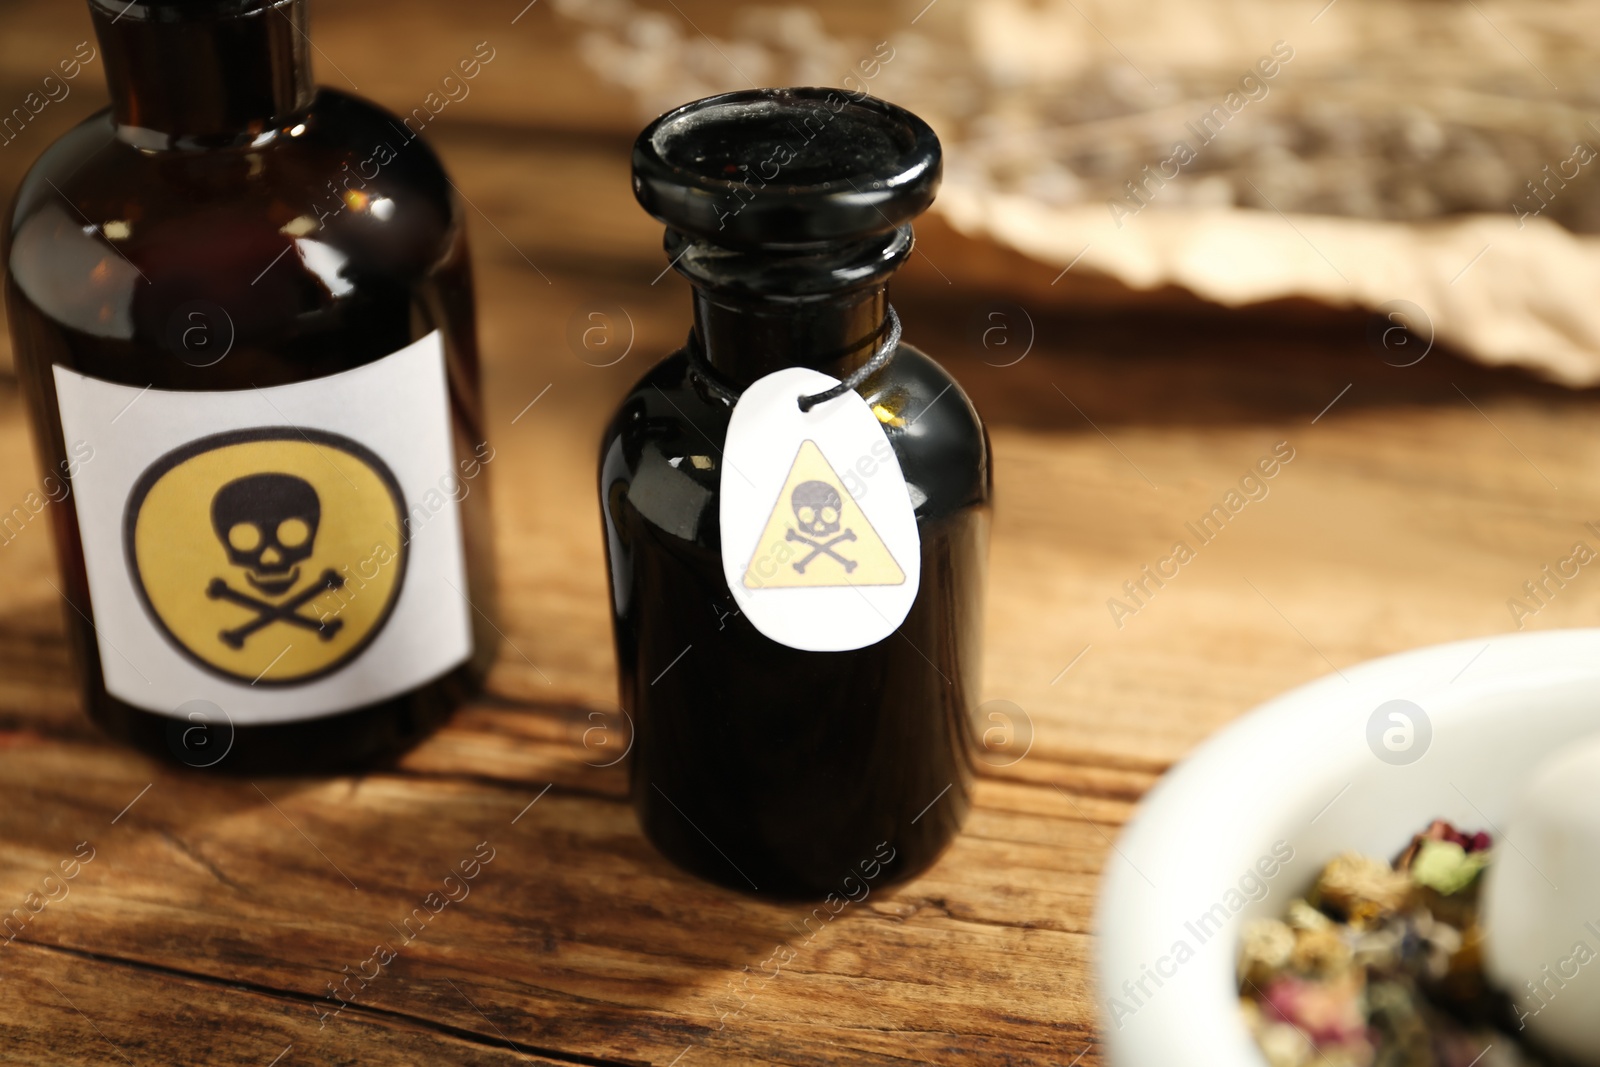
(223, 232)
(755, 764)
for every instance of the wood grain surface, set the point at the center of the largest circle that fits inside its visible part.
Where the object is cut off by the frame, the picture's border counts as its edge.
(216, 914)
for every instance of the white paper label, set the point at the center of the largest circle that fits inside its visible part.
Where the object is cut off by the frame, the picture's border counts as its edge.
(819, 538)
(283, 553)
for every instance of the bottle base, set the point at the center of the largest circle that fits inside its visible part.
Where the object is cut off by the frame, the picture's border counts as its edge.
(845, 870)
(363, 738)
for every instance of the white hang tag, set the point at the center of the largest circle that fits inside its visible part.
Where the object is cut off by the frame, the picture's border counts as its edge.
(819, 538)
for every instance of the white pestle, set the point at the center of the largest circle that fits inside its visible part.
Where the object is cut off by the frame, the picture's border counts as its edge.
(1541, 904)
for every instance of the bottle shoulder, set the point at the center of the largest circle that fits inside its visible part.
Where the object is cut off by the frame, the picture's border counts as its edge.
(670, 429)
(912, 387)
(98, 222)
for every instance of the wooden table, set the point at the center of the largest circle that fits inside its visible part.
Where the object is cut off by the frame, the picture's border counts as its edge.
(217, 913)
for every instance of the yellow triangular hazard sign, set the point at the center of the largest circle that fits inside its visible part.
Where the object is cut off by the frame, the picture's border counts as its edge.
(818, 535)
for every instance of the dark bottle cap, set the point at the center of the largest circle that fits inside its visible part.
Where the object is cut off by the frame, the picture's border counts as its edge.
(786, 168)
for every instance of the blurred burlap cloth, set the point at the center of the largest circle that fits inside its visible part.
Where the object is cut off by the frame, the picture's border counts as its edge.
(1433, 160)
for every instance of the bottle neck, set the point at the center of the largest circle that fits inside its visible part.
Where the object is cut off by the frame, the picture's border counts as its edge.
(744, 340)
(203, 73)
(761, 310)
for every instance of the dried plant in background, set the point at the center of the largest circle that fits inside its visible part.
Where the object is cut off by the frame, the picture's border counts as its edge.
(1437, 152)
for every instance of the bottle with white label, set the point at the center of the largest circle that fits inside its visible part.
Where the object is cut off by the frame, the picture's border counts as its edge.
(796, 509)
(243, 322)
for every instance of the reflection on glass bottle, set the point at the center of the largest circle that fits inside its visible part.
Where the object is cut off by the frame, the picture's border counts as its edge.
(758, 765)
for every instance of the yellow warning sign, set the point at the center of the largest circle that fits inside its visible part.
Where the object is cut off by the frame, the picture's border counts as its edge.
(818, 535)
(272, 556)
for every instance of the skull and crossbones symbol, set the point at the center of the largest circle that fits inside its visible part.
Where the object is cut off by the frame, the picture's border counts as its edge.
(268, 525)
(817, 508)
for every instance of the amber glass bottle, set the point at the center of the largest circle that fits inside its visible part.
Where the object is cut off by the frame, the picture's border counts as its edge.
(756, 764)
(243, 322)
